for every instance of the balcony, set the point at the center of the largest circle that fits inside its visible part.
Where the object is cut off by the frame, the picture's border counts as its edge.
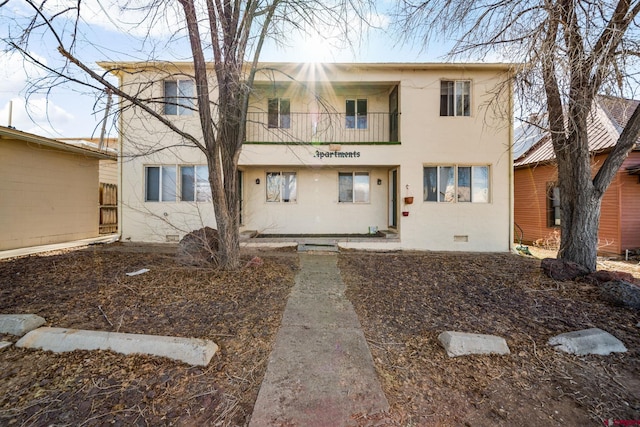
(322, 128)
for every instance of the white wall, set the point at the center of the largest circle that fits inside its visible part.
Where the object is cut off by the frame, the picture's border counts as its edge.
(426, 139)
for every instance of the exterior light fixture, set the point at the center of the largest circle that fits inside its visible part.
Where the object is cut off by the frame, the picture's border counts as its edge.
(257, 181)
(379, 181)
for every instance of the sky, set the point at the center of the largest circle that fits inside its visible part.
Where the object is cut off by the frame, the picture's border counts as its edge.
(65, 112)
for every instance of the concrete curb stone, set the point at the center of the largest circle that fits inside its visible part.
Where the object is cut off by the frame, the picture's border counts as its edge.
(189, 350)
(19, 324)
(463, 344)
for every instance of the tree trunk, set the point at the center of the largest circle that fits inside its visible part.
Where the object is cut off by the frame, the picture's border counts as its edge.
(579, 202)
(579, 240)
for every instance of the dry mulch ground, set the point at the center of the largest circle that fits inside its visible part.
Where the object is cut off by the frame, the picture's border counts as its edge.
(88, 289)
(404, 301)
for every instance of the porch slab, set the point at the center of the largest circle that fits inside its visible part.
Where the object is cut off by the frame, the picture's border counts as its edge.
(19, 324)
(463, 344)
(318, 247)
(188, 350)
(587, 341)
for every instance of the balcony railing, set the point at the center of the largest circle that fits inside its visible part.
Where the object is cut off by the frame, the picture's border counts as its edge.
(322, 128)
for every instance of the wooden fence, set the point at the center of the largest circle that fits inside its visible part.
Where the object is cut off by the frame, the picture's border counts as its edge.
(108, 208)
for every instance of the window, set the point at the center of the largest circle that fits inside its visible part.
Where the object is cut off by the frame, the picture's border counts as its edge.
(356, 117)
(553, 205)
(282, 187)
(353, 187)
(279, 113)
(194, 184)
(452, 183)
(455, 97)
(160, 184)
(179, 97)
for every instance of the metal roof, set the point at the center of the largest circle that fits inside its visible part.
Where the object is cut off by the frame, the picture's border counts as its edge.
(605, 122)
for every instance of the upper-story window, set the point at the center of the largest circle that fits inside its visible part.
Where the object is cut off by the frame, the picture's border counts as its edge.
(179, 97)
(455, 97)
(356, 114)
(279, 113)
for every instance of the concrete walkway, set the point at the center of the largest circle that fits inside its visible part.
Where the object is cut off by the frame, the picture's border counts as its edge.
(12, 253)
(320, 372)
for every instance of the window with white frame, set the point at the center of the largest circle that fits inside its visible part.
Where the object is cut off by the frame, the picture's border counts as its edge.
(282, 187)
(279, 112)
(194, 184)
(454, 183)
(160, 184)
(179, 97)
(353, 187)
(356, 114)
(455, 98)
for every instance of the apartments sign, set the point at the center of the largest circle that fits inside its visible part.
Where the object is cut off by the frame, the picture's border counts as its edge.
(336, 154)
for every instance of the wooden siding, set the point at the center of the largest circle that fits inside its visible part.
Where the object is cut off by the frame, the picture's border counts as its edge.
(630, 203)
(530, 207)
(109, 171)
(530, 202)
(48, 195)
(609, 231)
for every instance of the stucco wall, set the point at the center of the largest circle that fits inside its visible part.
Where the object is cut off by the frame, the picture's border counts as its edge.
(426, 139)
(47, 195)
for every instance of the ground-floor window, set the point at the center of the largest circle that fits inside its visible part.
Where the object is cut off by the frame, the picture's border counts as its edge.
(162, 185)
(194, 183)
(553, 205)
(282, 187)
(353, 187)
(455, 183)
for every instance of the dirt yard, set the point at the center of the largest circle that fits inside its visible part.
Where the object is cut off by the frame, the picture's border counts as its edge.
(404, 301)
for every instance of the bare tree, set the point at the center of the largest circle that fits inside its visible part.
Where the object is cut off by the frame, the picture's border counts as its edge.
(236, 32)
(570, 51)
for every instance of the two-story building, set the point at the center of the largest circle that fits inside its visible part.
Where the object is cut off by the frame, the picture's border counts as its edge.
(419, 151)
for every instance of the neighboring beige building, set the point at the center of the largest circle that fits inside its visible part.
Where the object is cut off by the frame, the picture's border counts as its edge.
(333, 150)
(48, 190)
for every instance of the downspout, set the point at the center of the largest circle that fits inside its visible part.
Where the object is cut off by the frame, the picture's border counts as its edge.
(119, 169)
(511, 190)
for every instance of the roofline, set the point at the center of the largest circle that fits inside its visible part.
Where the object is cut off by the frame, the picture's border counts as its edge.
(10, 133)
(114, 66)
(553, 159)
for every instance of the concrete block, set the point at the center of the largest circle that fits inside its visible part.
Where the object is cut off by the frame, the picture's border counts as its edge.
(19, 324)
(462, 344)
(4, 344)
(189, 350)
(587, 341)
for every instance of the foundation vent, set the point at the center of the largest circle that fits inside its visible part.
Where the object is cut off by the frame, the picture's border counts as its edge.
(461, 239)
(171, 238)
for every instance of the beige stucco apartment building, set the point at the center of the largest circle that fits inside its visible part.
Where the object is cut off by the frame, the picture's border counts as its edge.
(334, 149)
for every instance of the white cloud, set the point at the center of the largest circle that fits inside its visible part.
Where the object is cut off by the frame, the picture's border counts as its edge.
(40, 117)
(15, 73)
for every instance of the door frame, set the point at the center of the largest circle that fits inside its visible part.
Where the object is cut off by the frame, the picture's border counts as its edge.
(393, 199)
